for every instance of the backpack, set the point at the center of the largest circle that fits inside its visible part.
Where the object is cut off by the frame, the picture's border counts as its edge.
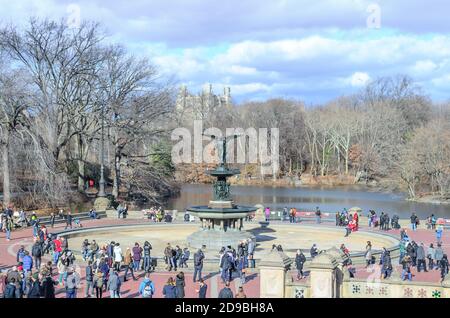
(148, 290)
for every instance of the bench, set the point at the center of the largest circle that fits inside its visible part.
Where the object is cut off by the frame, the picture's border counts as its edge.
(45, 220)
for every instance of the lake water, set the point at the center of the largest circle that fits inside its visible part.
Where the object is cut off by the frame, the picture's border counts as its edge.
(307, 198)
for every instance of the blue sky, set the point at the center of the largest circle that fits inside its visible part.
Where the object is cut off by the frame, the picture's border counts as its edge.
(309, 50)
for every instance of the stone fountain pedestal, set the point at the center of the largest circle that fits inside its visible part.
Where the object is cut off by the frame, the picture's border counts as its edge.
(221, 225)
(222, 221)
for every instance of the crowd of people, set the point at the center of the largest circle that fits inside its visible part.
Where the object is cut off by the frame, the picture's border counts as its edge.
(107, 266)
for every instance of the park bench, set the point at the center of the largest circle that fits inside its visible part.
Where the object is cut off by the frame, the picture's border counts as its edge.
(45, 220)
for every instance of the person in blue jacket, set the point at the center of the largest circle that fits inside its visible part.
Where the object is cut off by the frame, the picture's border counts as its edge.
(147, 288)
(170, 290)
(27, 262)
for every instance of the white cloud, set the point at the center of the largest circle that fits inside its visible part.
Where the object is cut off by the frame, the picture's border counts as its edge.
(308, 49)
(359, 79)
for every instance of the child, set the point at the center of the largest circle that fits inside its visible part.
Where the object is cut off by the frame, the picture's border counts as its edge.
(78, 223)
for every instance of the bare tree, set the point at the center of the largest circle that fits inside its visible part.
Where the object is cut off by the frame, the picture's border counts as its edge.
(136, 105)
(15, 103)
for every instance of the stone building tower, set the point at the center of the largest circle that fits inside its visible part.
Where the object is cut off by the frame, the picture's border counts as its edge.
(196, 107)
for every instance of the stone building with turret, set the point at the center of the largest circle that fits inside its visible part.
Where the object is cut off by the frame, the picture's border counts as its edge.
(199, 107)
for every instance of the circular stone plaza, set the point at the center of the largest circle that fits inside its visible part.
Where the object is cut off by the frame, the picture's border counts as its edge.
(302, 235)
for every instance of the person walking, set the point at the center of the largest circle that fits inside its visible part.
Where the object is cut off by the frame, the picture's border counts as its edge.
(421, 263)
(414, 221)
(98, 284)
(300, 260)
(387, 265)
(52, 219)
(69, 220)
(406, 268)
(27, 263)
(285, 213)
(439, 231)
(129, 266)
(267, 214)
(402, 250)
(170, 290)
(202, 288)
(250, 253)
(89, 280)
(318, 215)
(118, 257)
(439, 254)
(57, 250)
(113, 285)
(226, 291)
(180, 284)
(147, 288)
(198, 264)
(443, 265)
(8, 227)
(36, 252)
(431, 255)
(368, 254)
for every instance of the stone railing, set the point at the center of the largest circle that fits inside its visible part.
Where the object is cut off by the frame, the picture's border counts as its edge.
(329, 279)
(301, 289)
(357, 288)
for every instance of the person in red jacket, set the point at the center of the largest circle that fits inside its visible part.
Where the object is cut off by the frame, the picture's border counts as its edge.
(57, 250)
(356, 219)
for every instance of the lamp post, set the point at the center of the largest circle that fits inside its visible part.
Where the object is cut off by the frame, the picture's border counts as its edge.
(101, 192)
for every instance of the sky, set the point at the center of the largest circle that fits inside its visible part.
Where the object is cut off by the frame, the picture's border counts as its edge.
(302, 49)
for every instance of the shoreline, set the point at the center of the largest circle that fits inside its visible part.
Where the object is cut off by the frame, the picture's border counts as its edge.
(282, 183)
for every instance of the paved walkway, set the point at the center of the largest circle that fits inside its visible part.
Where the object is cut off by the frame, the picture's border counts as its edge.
(129, 289)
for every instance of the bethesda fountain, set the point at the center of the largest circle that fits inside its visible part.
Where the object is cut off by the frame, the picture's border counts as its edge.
(222, 221)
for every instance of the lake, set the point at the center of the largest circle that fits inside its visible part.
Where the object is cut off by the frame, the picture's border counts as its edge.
(307, 198)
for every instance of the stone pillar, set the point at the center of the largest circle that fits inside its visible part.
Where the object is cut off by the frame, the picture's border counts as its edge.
(323, 269)
(272, 271)
(446, 285)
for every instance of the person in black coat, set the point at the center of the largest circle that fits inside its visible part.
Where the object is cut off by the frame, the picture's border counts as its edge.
(300, 259)
(68, 221)
(180, 284)
(10, 289)
(443, 265)
(226, 291)
(48, 287)
(202, 289)
(35, 290)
